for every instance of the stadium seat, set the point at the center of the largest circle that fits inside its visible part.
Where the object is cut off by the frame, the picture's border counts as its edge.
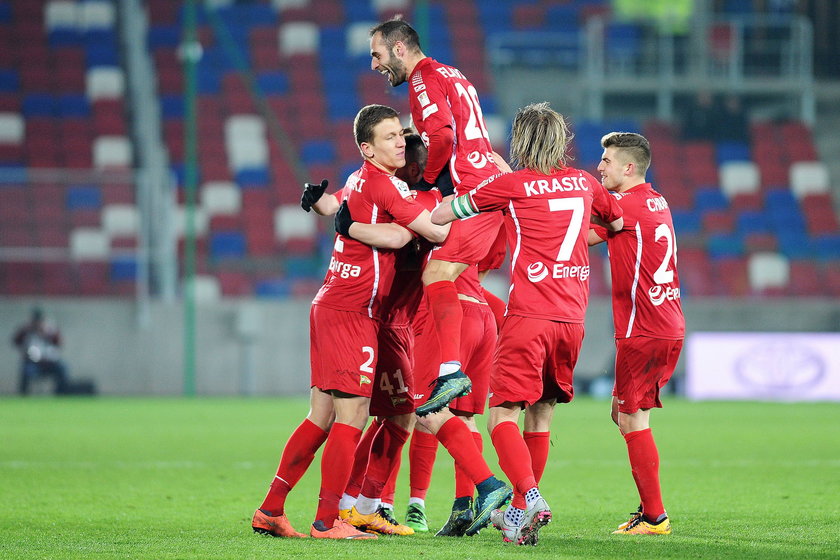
(120, 220)
(808, 177)
(220, 197)
(768, 270)
(112, 151)
(61, 14)
(205, 288)
(298, 37)
(89, 244)
(201, 221)
(291, 223)
(95, 15)
(12, 128)
(738, 177)
(105, 82)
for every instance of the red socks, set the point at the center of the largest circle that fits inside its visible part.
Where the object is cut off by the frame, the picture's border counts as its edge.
(514, 457)
(457, 439)
(360, 460)
(391, 486)
(497, 306)
(464, 486)
(537, 443)
(446, 311)
(335, 469)
(644, 462)
(384, 452)
(421, 456)
(296, 458)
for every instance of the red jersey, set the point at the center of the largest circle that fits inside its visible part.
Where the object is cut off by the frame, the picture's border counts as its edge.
(547, 228)
(359, 276)
(441, 96)
(407, 291)
(643, 265)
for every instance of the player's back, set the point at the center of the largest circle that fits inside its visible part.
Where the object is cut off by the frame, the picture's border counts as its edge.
(548, 219)
(440, 96)
(643, 263)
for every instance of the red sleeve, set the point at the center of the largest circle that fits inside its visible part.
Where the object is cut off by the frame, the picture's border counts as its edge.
(398, 203)
(604, 205)
(493, 193)
(441, 144)
(600, 231)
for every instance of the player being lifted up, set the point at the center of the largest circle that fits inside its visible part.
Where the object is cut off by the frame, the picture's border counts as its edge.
(648, 317)
(446, 112)
(549, 208)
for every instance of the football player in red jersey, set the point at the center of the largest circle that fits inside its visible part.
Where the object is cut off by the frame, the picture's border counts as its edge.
(459, 435)
(446, 112)
(344, 330)
(549, 208)
(648, 317)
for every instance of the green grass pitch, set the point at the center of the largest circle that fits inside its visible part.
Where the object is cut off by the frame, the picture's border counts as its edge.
(180, 478)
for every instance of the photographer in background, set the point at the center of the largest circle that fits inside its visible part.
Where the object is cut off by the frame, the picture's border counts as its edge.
(39, 342)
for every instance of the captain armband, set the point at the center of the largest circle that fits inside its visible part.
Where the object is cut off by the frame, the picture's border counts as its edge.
(462, 207)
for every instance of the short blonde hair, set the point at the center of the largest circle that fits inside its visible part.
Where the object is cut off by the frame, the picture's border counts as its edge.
(539, 138)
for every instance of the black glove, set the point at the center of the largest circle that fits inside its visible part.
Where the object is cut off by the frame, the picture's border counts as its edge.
(423, 185)
(312, 193)
(444, 182)
(343, 220)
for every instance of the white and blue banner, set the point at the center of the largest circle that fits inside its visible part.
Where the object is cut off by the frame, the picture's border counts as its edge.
(763, 366)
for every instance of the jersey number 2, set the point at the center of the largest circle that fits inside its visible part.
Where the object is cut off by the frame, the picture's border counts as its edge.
(662, 274)
(475, 124)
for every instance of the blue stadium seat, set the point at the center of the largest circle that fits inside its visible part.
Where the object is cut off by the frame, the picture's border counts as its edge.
(710, 199)
(255, 177)
(5, 12)
(731, 151)
(101, 55)
(275, 288)
(273, 83)
(753, 221)
(361, 10)
(65, 37)
(9, 80)
(163, 36)
(227, 244)
(721, 246)
(172, 106)
(123, 268)
(39, 105)
(686, 221)
(303, 267)
(317, 151)
(794, 244)
(73, 105)
(826, 247)
(83, 197)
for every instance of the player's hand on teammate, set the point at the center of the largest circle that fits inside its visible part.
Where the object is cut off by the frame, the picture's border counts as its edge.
(312, 193)
(343, 220)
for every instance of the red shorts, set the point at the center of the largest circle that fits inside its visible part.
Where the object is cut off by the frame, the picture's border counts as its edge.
(393, 388)
(643, 365)
(478, 340)
(535, 360)
(469, 240)
(342, 350)
(495, 257)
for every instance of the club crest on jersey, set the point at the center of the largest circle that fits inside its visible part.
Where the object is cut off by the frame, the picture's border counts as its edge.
(401, 185)
(364, 380)
(423, 98)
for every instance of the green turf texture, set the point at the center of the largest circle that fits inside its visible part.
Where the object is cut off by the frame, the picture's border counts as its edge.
(180, 478)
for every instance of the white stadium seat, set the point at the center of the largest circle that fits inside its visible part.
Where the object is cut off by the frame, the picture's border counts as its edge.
(201, 218)
(61, 14)
(497, 128)
(206, 288)
(96, 15)
(89, 244)
(281, 5)
(291, 223)
(120, 220)
(245, 142)
(12, 128)
(768, 270)
(220, 197)
(808, 177)
(298, 37)
(104, 82)
(381, 5)
(111, 151)
(358, 38)
(739, 177)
